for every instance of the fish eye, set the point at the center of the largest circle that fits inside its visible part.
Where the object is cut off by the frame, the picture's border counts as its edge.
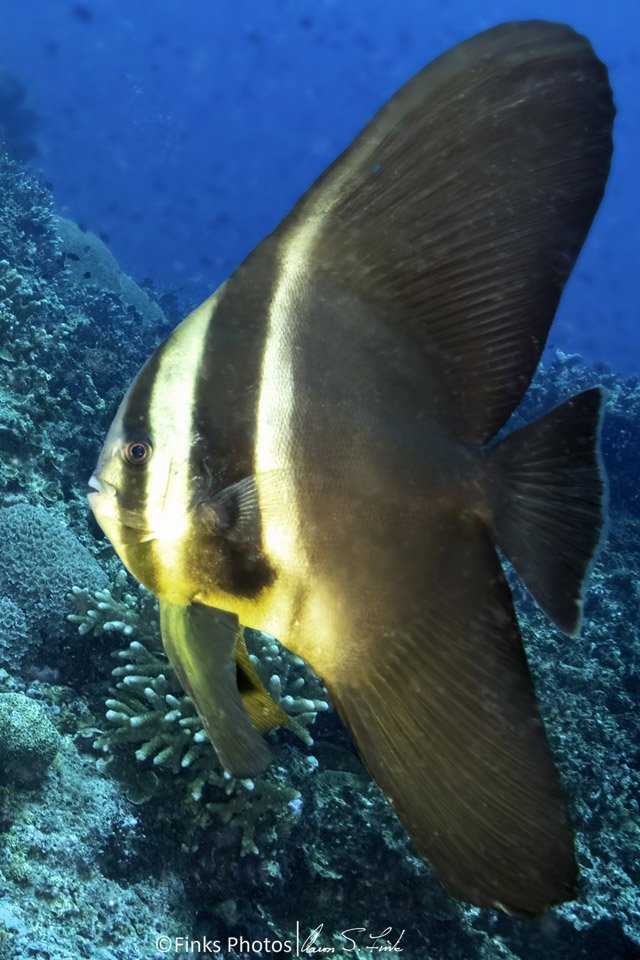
(137, 451)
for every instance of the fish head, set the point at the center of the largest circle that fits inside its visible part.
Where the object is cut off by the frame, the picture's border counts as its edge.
(137, 487)
(152, 489)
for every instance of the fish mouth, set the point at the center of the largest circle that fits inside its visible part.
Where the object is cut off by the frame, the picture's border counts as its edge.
(103, 495)
(95, 483)
(101, 487)
(122, 527)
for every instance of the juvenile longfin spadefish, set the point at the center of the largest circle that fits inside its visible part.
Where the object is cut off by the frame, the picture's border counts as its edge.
(312, 452)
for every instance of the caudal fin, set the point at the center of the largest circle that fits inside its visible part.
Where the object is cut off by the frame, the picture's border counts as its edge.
(547, 496)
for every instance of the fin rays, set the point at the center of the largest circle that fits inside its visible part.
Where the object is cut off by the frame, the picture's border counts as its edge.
(446, 719)
(491, 163)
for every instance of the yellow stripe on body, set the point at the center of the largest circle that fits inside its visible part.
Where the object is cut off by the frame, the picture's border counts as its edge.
(171, 417)
(275, 451)
(300, 610)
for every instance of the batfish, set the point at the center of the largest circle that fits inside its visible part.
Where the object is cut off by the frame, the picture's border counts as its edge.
(312, 453)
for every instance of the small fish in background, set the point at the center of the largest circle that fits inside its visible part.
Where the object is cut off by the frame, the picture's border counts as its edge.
(309, 454)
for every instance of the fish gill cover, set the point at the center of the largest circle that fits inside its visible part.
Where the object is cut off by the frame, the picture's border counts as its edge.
(120, 831)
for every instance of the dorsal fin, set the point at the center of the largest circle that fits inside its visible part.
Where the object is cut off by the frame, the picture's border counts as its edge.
(460, 209)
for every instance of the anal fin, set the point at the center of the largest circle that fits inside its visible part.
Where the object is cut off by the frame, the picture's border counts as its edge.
(440, 702)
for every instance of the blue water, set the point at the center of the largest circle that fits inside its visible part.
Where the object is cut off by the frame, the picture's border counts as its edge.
(183, 132)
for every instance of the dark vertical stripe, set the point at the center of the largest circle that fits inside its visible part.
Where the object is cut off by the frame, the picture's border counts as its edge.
(228, 387)
(136, 426)
(226, 409)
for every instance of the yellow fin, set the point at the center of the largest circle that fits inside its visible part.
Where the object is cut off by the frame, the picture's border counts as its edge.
(261, 707)
(200, 643)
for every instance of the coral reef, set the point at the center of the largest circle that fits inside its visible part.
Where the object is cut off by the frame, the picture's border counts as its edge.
(77, 875)
(18, 641)
(66, 348)
(116, 610)
(40, 561)
(91, 264)
(28, 740)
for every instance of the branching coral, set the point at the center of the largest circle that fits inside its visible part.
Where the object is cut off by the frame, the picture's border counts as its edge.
(149, 711)
(116, 610)
(149, 699)
(268, 807)
(290, 681)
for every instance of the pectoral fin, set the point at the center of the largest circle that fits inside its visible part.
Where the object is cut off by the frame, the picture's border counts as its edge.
(202, 644)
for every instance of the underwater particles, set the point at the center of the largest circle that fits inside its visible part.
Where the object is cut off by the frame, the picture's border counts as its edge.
(310, 454)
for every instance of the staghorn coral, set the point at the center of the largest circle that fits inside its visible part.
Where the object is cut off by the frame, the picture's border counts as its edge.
(148, 696)
(149, 711)
(262, 811)
(116, 610)
(290, 681)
